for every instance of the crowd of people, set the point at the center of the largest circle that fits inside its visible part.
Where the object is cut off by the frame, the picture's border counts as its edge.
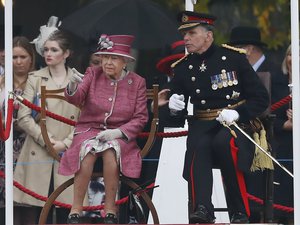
(229, 85)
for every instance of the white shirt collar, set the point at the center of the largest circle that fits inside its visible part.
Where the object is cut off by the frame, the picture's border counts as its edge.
(256, 65)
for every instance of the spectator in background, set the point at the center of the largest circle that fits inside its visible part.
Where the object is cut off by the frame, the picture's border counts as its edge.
(2, 57)
(23, 63)
(283, 134)
(95, 60)
(164, 66)
(37, 170)
(249, 38)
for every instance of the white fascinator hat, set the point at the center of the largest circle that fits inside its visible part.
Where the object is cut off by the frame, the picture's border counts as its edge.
(46, 31)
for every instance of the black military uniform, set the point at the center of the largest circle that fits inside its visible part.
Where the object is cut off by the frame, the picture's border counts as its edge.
(219, 78)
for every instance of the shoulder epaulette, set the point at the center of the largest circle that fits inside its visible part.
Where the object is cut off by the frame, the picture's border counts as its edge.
(178, 61)
(240, 50)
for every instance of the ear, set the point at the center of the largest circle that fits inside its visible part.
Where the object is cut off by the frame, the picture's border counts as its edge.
(67, 53)
(209, 35)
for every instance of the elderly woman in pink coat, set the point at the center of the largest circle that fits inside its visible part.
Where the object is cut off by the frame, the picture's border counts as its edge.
(113, 113)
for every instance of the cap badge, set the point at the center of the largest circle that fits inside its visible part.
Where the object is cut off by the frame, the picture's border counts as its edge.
(184, 18)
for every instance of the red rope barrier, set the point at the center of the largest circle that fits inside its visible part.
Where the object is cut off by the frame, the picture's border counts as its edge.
(64, 205)
(275, 106)
(282, 102)
(123, 200)
(275, 206)
(50, 114)
(5, 132)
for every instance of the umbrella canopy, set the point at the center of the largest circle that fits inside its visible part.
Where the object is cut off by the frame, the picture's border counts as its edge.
(152, 26)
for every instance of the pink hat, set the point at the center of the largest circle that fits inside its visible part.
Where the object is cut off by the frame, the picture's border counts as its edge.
(115, 45)
(177, 52)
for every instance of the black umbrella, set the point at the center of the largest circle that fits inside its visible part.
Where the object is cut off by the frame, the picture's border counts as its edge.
(152, 26)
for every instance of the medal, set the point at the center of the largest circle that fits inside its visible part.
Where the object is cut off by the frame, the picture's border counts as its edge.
(235, 81)
(219, 79)
(203, 67)
(229, 78)
(213, 80)
(224, 78)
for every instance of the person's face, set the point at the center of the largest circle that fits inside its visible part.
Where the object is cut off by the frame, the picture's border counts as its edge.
(289, 62)
(22, 61)
(113, 65)
(95, 60)
(249, 52)
(2, 57)
(197, 39)
(53, 54)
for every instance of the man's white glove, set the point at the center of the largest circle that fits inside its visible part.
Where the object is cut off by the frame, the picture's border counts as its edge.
(75, 79)
(228, 116)
(109, 134)
(176, 103)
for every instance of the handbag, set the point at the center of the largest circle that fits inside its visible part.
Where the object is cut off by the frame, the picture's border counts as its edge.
(36, 101)
(135, 210)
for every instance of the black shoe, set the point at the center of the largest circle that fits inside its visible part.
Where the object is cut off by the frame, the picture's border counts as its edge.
(201, 215)
(110, 219)
(73, 219)
(239, 218)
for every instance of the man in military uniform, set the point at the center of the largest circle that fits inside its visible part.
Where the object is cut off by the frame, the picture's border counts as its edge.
(223, 88)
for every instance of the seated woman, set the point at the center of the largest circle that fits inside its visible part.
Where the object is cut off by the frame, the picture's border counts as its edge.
(113, 112)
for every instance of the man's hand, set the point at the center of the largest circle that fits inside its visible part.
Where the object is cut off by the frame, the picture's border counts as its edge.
(176, 103)
(228, 116)
(108, 135)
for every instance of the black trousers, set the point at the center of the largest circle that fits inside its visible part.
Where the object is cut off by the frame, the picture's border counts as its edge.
(208, 148)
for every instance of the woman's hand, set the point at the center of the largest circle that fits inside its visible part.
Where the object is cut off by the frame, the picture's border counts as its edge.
(58, 146)
(288, 125)
(289, 114)
(163, 97)
(75, 79)
(109, 134)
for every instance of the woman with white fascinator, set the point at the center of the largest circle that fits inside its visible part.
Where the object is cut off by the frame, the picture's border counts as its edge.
(37, 170)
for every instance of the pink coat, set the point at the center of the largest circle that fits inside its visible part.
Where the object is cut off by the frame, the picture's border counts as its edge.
(110, 104)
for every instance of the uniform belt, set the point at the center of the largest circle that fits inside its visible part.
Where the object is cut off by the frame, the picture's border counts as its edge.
(211, 114)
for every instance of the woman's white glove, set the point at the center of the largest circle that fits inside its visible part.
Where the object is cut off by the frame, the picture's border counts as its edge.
(176, 103)
(228, 116)
(109, 134)
(75, 79)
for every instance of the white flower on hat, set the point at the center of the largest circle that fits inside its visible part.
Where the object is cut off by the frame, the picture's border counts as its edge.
(104, 42)
(46, 31)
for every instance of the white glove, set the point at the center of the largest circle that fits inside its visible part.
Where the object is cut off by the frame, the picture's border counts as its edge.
(228, 116)
(75, 79)
(176, 103)
(110, 134)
